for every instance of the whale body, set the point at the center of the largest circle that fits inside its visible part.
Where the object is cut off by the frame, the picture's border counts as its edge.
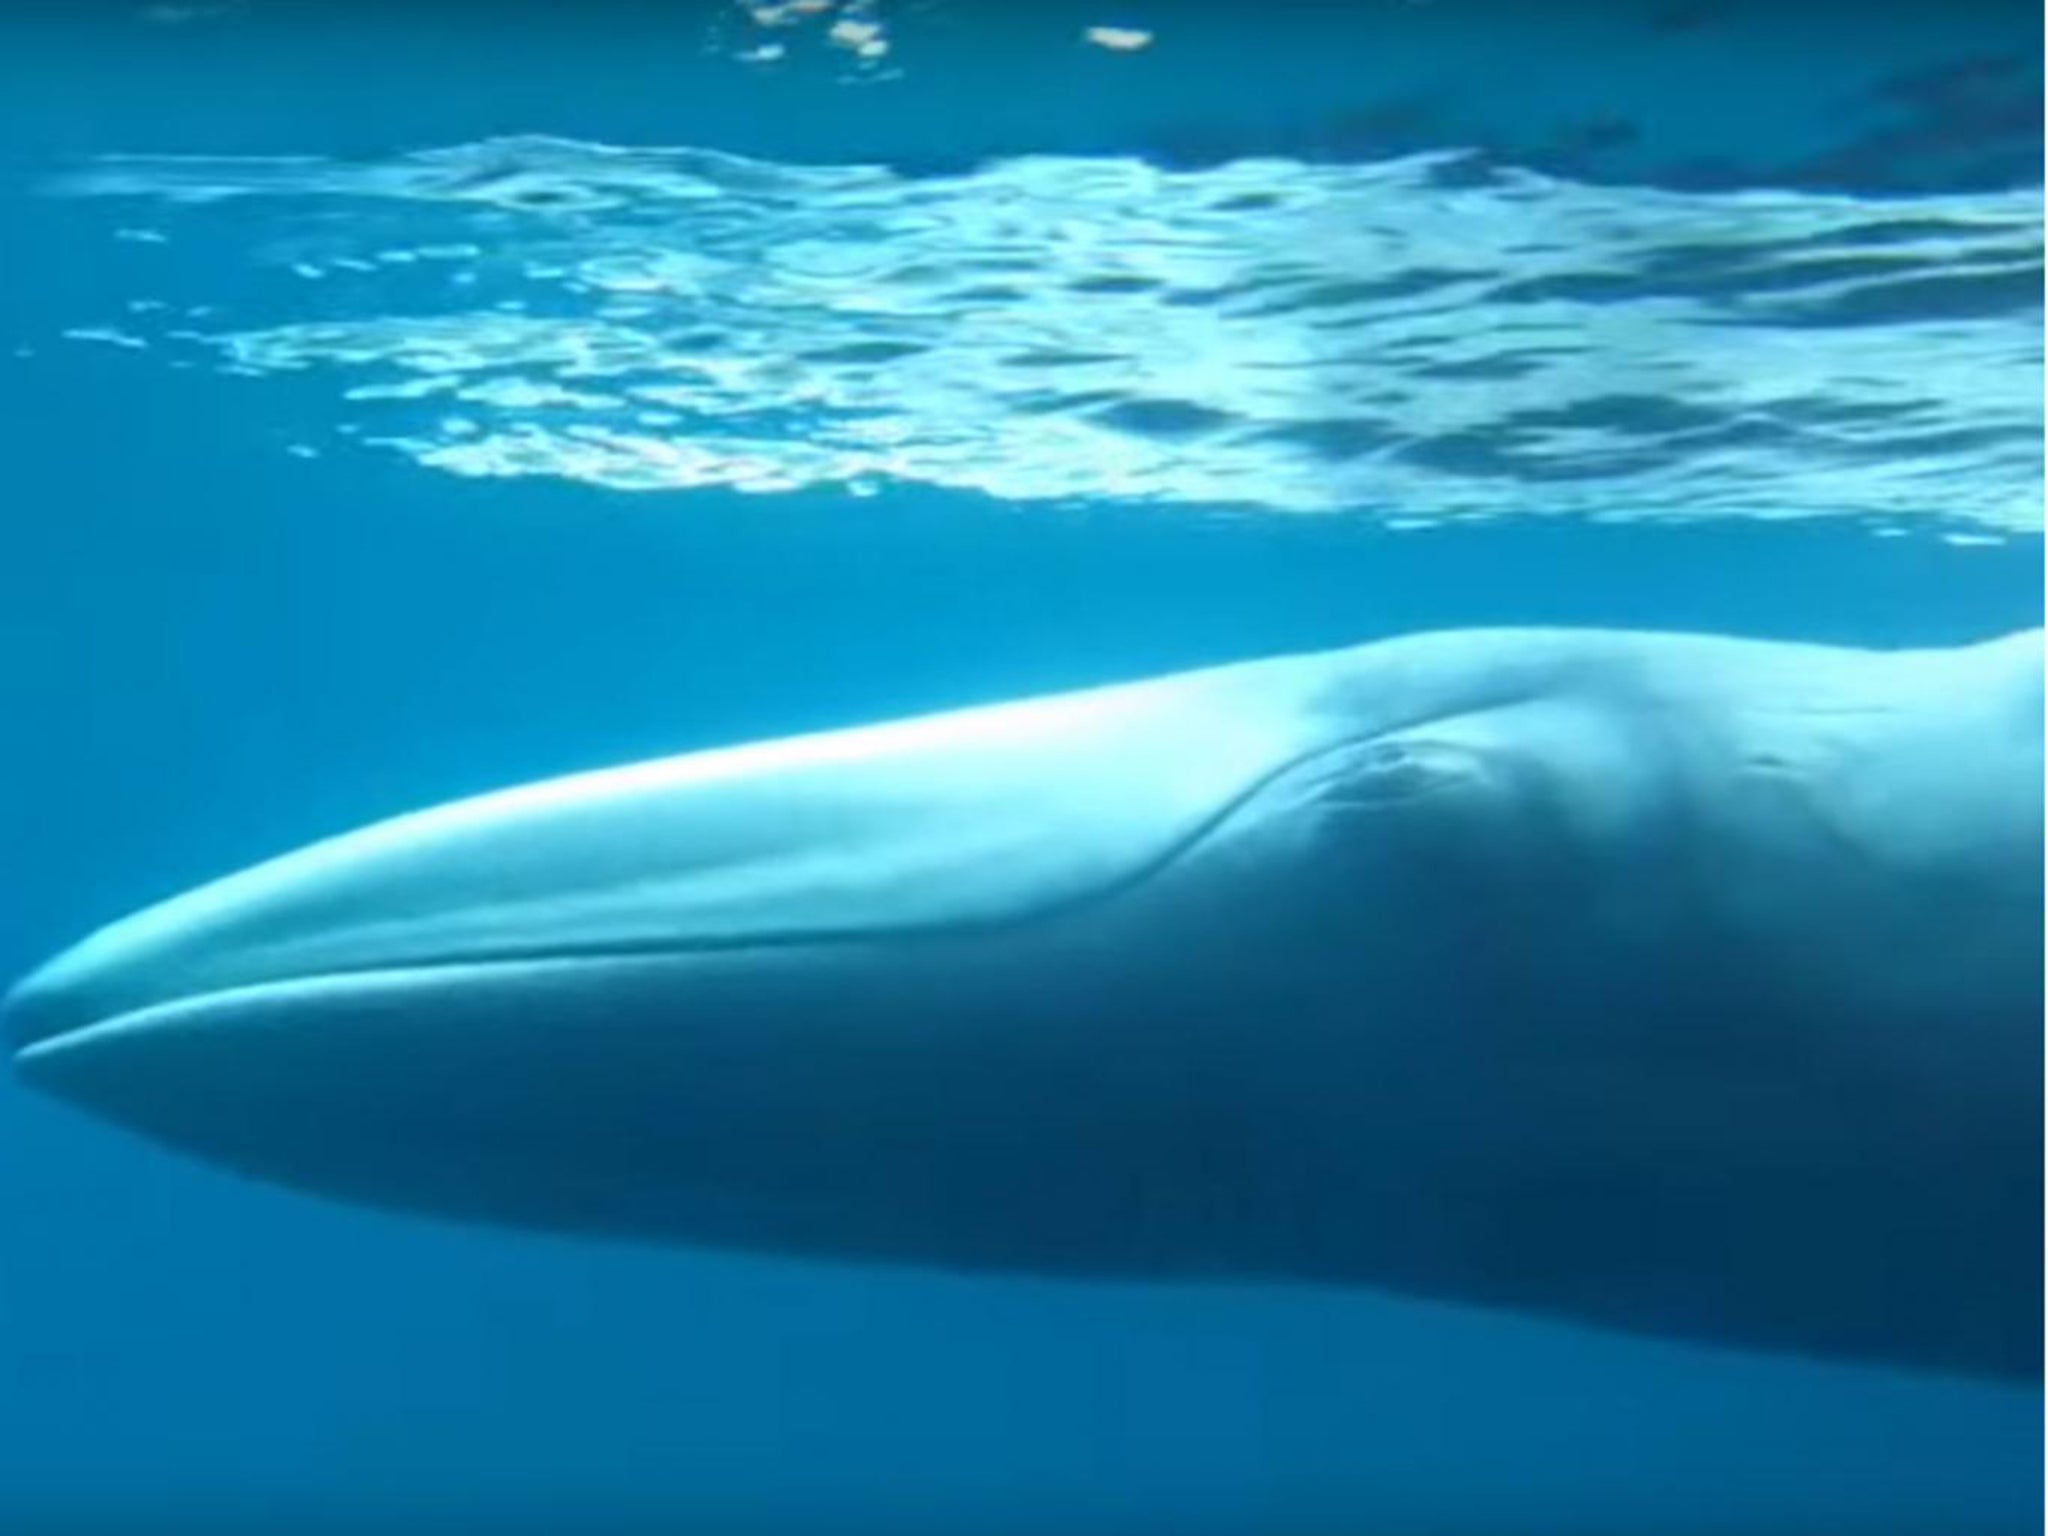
(1677, 984)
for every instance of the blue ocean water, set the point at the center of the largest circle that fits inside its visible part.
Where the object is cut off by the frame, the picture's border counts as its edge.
(402, 403)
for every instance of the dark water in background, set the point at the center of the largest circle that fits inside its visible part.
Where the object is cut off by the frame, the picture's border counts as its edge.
(247, 603)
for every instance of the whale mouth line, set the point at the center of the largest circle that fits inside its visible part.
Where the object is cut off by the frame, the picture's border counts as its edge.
(29, 1048)
(28, 1045)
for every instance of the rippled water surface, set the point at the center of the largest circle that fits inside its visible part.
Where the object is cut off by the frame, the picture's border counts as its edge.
(1418, 339)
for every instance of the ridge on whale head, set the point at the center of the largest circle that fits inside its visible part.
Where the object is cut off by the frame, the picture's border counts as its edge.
(1678, 984)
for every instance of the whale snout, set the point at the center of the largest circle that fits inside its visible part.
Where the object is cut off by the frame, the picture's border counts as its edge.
(58, 998)
(956, 824)
(499, 880)
(821, 996)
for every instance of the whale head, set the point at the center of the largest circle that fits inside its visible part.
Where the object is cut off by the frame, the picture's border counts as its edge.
(819, 994)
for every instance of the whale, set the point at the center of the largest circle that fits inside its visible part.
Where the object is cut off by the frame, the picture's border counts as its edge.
(1682, 985)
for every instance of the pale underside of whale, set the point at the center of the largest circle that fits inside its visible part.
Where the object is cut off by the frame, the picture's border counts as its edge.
(1670, 983)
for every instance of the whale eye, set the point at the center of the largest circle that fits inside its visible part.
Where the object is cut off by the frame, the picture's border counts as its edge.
(1389, 771)
(1395, 821)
